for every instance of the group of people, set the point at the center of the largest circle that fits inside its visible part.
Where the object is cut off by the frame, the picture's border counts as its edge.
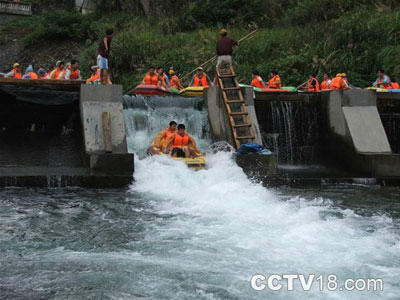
(174, 141)
(339, 82)
(60, 71)
(69, 71)
(170, 80)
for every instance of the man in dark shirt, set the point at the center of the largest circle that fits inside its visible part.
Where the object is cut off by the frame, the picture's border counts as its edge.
(225, 49)
(102, 56)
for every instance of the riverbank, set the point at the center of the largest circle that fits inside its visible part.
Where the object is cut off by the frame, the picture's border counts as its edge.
(339, 44)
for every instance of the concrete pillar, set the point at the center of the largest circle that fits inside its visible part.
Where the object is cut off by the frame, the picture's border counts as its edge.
(248, 94)
(105, 143)
(217, 116)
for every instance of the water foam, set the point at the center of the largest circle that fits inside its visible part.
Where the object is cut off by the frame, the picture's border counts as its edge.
(230, 228)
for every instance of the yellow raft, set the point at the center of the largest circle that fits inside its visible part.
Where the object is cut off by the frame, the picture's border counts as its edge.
(198, 163)
(192, 91)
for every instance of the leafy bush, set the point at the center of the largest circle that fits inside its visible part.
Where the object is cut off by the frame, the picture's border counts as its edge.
(58, 26)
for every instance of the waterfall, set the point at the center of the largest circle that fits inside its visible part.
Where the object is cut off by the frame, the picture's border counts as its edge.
(295, 133)
(146, 116)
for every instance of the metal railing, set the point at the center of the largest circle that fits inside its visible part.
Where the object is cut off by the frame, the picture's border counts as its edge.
(15, 8)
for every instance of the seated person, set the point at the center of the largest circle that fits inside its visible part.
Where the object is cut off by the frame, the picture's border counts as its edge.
(95, 76)
(15, 73)
(383, 81)
(183, 145)
(326, 83)
(175, 82)
(59, 72)
(312, 84)
(163, 77)
(340, 82)
(160, 142)
(29, 73)
(73, 72)
(152, 78)
(200, 79)
(275, 81)
(257, 81)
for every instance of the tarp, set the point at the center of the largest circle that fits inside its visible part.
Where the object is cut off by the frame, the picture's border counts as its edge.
(253, 149)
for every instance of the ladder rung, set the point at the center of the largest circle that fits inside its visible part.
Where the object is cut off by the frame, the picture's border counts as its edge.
(241, 125)
(239, 113)
(235, 101)
(245, 137)
(231, 89)
(226, 76)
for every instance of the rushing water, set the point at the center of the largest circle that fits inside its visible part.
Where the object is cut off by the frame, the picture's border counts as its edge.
(180, 234)
(146, 116)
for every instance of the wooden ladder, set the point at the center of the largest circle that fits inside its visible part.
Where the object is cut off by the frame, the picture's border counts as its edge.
(236, 107)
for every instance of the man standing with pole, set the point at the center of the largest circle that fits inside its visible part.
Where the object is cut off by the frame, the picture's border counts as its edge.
(225, 49)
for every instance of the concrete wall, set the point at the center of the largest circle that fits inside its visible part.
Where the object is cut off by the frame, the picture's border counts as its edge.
(94, 101)
(219, 122)
(248, 94)
(355, 137)
(217, 116)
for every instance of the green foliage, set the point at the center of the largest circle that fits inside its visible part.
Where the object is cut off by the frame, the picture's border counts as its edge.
(295, 37)
(57, 26)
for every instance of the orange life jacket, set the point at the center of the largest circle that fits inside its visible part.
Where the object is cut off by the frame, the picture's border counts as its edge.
(311, 87)
(57, 74)
(33, 75)
(203, 81)
(16, 74)
(325, 85)
(257, 82)
(273, 82)
(338, 83)
(151, 79)
(175, 82)
(395, 85)
(180, 141)
(94, 77)
(74, 74)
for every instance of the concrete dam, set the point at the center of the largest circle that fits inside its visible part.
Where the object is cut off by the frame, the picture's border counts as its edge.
(71, 134)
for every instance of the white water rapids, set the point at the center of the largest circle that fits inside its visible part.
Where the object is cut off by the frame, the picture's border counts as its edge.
(227, 229)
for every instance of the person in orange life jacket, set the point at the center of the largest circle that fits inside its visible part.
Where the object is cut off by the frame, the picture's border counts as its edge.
(151, 77)
(163, 77)
(275, 81)
(59, 72)
(312, 84)
(200, 79)
(160, 142)
(326, 83)
(95, 76)
(73, 72)
(29, 74)
(174, 81)
(257, 81)
(103, 53)
(395, 84)
(15, 72)
(182, 144)
(383, 81)
(339, 82)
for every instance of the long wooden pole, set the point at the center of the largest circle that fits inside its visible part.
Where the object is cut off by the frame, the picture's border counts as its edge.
(215, 57)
